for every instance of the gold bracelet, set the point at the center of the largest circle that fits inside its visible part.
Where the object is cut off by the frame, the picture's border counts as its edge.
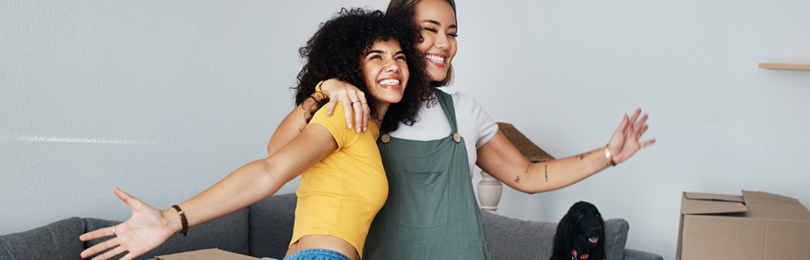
(609, 157)
(318, 91)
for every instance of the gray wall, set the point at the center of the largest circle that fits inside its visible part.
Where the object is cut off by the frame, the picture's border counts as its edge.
(163, 99)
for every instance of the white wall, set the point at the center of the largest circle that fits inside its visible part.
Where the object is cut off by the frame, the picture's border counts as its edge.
(163, 99)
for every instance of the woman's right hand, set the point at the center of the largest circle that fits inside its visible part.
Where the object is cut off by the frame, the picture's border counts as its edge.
(354, 102)
(144, 231)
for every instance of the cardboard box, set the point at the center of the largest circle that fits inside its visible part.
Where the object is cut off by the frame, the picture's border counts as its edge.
(208, 254)
(756, 225)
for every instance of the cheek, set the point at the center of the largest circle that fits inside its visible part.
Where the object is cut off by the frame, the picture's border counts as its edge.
(370, 76)
(453, 49)
(406, 74)
(425, 45)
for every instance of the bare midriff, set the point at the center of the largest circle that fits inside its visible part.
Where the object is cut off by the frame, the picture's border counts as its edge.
(324, 242)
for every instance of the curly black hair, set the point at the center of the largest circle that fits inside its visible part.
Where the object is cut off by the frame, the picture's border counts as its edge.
(336, 50)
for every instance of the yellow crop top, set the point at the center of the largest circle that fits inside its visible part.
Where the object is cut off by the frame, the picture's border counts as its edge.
(340, 195)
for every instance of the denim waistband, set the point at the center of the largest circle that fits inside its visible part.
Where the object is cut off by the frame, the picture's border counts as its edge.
(317, 254)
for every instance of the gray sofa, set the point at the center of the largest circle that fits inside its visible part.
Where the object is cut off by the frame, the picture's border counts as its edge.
(265, 229)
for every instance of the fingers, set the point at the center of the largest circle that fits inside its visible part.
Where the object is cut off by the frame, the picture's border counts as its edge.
(358, 115)
(362, 118)
(641, 122)
(111, 253)
(347, 113)
(128, 199)
(366, 116)
(643, 130)
(331, 108)
(646, 143)
(635, 116)
(94, 234)
(98, 248)
(361, 114)
(623, 124)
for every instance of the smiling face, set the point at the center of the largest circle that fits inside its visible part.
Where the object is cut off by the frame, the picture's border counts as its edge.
(386, 73)
(438, 23)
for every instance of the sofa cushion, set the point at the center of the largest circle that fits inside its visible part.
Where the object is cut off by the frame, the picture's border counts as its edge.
(229, 233)
(271, 225)
(58, 240)
(516, 239)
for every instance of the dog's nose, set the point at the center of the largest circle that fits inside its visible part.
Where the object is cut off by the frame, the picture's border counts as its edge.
(596, 228)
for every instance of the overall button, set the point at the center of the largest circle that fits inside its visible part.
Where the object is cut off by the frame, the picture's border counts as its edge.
(385, 138)
(456, 137)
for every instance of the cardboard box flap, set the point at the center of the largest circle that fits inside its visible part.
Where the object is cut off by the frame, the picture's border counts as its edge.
(713, 197)
(705, 203)
(207, 254)
(757, 196)
(772, 206)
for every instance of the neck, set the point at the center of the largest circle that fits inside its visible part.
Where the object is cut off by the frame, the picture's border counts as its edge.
(382, 108)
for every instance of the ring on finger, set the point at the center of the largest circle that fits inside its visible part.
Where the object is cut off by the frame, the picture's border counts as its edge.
(113, 228)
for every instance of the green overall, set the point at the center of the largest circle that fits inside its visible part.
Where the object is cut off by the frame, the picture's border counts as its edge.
(431, 211)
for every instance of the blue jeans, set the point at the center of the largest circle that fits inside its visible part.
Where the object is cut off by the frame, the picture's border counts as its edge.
(317, 254)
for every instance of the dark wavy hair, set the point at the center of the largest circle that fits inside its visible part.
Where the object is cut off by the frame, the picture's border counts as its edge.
(407, 8)
(336, 50)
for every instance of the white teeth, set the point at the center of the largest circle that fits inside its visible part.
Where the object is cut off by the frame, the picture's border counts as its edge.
(435, 58)
(389, 82)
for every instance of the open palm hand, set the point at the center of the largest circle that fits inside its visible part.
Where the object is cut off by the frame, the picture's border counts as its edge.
(625, 141)
(144, 231)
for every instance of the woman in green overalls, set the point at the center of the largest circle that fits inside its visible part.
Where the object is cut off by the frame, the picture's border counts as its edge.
(431, 211)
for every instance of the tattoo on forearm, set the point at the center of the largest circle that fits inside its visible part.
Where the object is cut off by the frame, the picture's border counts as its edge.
(517, 180)
(546, 172)
(582, 156)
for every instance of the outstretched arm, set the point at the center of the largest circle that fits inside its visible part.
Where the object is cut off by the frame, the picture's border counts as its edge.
(337, 91)
(503, 161)
(149, 227)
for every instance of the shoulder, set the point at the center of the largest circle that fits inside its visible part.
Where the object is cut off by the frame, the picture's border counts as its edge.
(334, 123)
(464, 102)
(321, 116)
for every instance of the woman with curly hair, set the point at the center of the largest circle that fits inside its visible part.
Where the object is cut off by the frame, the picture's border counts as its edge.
(343, 184)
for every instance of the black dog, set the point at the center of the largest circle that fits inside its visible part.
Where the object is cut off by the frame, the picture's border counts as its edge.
(580, 234)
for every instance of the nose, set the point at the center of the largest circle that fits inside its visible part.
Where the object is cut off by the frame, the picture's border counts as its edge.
(442, 43)
(392, 66)
(595, 226)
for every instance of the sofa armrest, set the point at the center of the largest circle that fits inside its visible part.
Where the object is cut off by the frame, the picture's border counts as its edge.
(58, 240)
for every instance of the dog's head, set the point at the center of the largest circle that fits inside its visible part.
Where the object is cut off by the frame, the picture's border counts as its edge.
(582, 230)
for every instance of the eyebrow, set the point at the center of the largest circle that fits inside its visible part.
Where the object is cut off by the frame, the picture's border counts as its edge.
(438, 23)
(381, 52)
(373, 52)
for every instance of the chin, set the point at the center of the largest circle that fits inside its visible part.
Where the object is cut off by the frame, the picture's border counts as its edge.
(439, 75)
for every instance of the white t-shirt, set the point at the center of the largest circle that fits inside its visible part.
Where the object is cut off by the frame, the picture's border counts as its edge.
(474, 125)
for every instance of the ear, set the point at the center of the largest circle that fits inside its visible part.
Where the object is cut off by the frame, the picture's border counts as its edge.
(561, 238)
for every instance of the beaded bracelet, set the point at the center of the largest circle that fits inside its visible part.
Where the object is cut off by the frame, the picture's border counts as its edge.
(183, 220)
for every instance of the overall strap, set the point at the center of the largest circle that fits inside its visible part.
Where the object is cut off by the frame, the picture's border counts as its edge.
(446, 101)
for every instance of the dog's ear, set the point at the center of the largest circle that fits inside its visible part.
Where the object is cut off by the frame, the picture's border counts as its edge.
(562, 240)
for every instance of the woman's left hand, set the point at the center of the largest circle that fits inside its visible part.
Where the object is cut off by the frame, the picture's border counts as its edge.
(625, 141)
